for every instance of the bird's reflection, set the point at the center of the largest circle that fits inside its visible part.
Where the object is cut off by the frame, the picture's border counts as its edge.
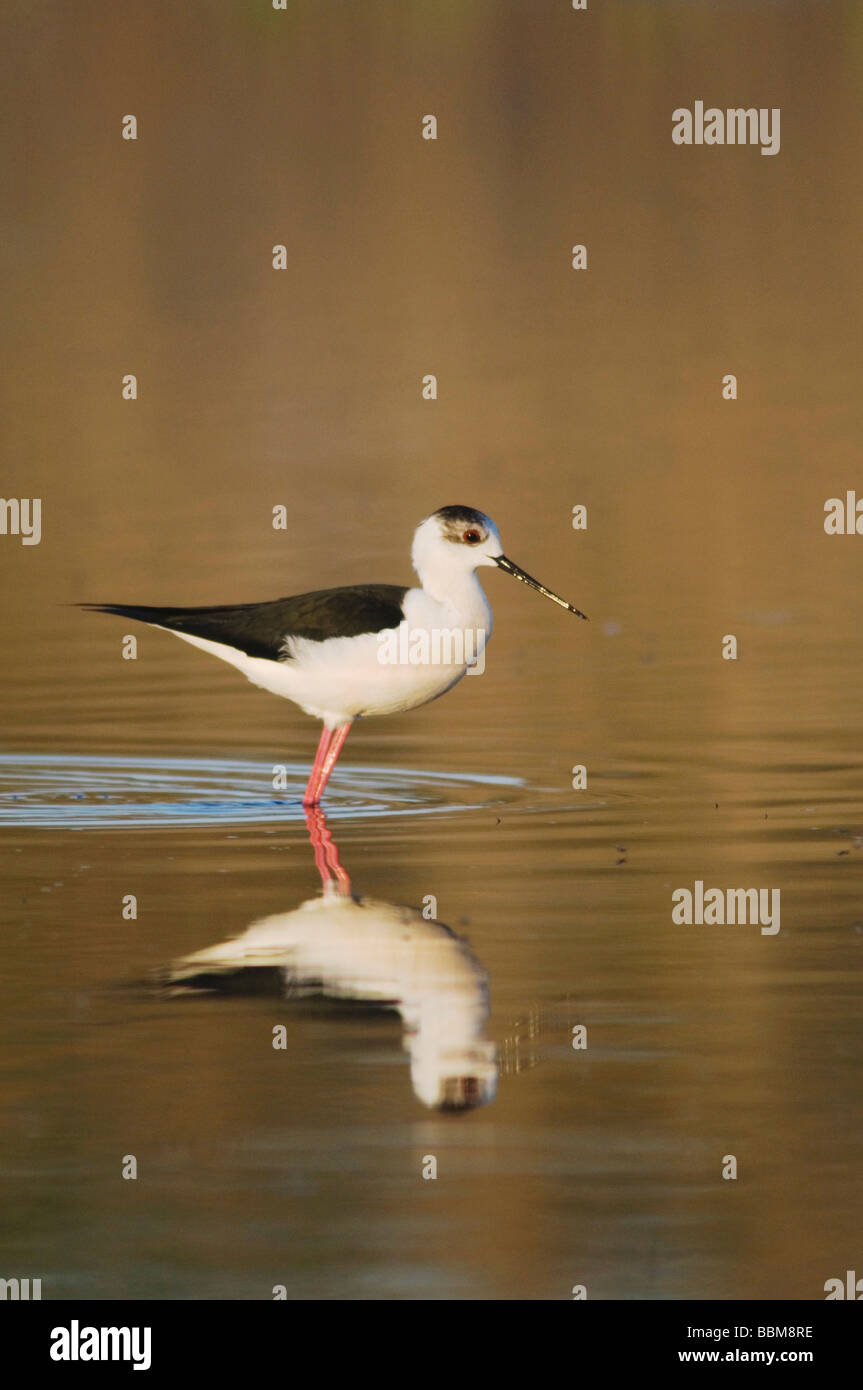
(345, 946)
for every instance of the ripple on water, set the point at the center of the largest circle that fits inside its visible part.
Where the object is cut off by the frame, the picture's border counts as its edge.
(83, 792)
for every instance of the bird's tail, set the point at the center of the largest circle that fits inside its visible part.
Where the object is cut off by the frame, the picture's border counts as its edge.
(163, 617)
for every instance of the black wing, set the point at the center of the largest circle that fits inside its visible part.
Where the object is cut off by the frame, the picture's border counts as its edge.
(260, 629)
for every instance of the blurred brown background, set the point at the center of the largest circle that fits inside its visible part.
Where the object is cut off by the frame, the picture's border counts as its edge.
(556, 387)
(407, 256)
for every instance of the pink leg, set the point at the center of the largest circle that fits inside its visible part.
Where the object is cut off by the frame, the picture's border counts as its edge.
(315, 789)
(326, 853)
(309, 798)
(335, 748)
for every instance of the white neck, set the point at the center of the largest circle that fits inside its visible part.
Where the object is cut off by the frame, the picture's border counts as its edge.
(460, 589)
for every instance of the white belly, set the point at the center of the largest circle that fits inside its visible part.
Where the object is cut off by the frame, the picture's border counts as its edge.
(348, 678)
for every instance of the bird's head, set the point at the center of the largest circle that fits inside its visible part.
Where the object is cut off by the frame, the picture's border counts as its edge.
(457, 540)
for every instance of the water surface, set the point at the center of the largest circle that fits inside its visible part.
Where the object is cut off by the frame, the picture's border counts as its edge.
(153, 778)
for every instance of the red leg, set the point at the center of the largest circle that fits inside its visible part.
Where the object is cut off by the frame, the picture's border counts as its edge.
(335, 748)
(309, 796)
(326, 853)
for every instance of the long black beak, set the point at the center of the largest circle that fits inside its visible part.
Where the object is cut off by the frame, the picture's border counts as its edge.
(503, 563)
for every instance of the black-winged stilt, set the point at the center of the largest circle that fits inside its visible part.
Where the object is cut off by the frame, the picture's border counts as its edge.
(344, 654)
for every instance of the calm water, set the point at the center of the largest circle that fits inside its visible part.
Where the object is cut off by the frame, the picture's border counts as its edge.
(303, 1165)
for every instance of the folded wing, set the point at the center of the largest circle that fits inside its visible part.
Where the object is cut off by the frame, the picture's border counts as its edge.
(260, 629)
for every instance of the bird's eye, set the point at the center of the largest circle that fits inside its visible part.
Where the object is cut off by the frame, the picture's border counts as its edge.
(472, 537)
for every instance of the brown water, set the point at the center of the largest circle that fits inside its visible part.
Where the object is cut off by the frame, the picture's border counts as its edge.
(303, 1166)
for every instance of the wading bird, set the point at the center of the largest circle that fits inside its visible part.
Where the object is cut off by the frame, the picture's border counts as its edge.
(344, 654)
